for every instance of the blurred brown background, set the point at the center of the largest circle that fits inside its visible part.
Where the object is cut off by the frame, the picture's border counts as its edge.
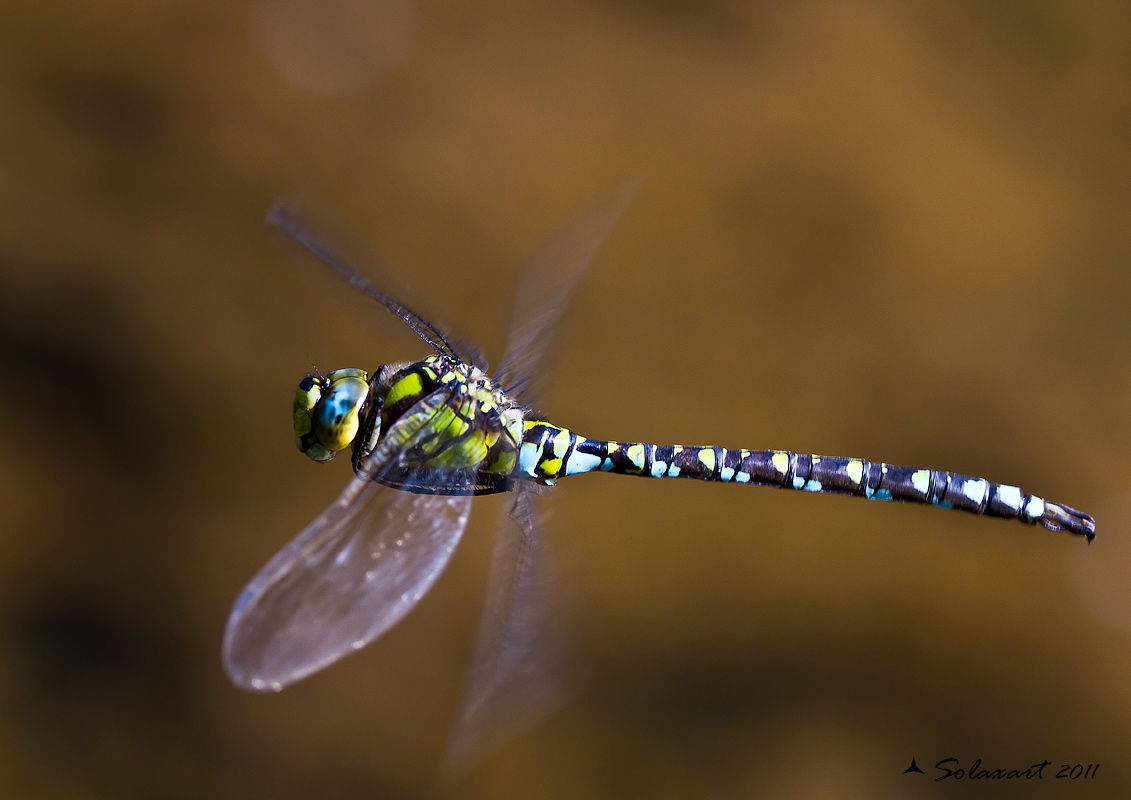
(888, 229)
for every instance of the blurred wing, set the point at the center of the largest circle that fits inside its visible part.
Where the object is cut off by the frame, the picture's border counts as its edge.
(352, 573)
(518, 674)
(545, 290)
(286, 217)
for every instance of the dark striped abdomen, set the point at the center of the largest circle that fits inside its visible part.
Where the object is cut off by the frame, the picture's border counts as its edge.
(549, 452)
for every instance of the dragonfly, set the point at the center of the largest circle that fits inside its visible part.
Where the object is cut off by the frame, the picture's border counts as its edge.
(426, 437)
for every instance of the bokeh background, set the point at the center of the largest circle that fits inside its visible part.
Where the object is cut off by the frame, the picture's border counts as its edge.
(884, 228)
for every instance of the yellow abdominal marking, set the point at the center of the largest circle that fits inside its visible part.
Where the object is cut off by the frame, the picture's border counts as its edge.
(561, 444)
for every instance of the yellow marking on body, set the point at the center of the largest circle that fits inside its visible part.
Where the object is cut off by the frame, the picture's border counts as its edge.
(467, 452)
(308, 399)
(408, 385)
(453, 423)
(528, 424)
(780, 460)
(551, 466)
(921, 480)
(561, 443)
(854, 469)
(636, 455)
(504, 464)
(439, 424)
(492, 437)
(707, 458)
(458, 427)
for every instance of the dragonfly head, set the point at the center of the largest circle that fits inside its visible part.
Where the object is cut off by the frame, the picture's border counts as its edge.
(327, 410)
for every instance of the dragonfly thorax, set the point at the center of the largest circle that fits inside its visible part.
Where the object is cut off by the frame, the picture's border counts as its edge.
(462, 420)
(327, 411)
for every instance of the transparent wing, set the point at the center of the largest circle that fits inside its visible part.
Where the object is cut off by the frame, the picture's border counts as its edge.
(352, 573)
(300, 226)
(545, 290)
(519, 671)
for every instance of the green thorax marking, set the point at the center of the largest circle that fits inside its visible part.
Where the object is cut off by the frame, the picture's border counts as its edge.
(477, 427)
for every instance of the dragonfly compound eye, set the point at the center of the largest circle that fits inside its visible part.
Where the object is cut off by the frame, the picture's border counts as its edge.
(326, 412)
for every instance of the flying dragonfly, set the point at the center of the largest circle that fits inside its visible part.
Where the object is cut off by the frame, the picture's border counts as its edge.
(425, 437)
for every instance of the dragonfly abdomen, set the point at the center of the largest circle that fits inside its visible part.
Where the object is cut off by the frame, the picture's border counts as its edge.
(549, 452)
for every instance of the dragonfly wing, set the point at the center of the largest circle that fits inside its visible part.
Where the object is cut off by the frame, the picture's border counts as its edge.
(518, 674)
(300, 226)
(544, 292)
(352, 574)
